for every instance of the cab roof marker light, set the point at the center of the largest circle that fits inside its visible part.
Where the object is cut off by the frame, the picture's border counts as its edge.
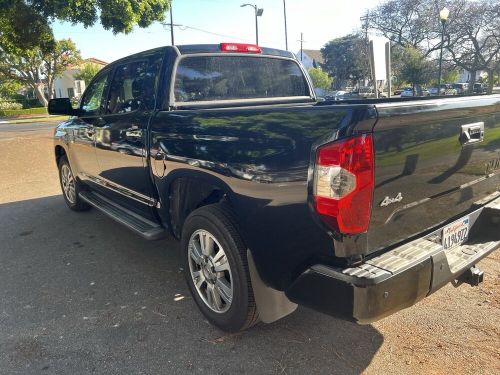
(240, 47)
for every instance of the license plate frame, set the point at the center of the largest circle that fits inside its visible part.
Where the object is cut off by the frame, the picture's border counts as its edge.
(456, 233)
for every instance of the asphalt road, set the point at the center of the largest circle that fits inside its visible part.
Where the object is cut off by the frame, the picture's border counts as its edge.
(80, 294)
(25, 127)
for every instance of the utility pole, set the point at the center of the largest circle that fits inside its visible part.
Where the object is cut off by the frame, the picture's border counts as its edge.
(171, 25)
(388, 68)
(301, 46)
(256, 27)
(286, 31)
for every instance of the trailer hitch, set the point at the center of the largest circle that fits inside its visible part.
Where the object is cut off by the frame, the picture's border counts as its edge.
(473, 276)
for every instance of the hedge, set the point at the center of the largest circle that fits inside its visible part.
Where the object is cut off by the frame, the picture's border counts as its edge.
(20, 112)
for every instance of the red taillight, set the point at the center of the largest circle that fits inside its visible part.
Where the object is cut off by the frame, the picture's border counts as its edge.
(240, 47)
(344, 182)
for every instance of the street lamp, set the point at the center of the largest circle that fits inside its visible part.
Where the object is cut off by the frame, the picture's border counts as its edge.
(286, 31)
(443, 17)
(258, 13)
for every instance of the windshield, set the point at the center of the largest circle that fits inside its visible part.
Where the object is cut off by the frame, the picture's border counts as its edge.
(226, 77)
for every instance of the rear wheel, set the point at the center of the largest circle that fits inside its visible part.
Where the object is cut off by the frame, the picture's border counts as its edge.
(216, 268)
(70, 187)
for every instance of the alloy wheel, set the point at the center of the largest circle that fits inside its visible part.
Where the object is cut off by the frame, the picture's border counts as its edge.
(210, 271)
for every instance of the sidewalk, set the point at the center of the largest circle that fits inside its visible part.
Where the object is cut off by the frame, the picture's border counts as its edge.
(35, 118)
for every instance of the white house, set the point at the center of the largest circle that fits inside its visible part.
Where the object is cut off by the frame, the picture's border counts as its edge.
(310, 58)
(465, 75)
(66, 86)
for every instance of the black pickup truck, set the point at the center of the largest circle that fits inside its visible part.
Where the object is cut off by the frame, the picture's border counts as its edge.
(357, 208)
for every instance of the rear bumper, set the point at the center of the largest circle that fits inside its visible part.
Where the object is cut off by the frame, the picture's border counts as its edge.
(400, 277)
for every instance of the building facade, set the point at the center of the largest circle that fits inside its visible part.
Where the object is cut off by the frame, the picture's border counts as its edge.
(66, 86)
(310, 58)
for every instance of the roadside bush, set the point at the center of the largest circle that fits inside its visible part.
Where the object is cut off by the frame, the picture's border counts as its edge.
(8, 105)
(20, 112)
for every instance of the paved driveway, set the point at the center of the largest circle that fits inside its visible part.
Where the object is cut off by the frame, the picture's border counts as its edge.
(80, 294)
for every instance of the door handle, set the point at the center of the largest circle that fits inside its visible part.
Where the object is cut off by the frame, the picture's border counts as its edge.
(471, 133)
(100, 122)
(90, 132)
(160, 155)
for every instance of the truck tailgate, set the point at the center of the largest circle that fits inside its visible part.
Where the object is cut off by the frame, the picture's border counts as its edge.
(433, 164)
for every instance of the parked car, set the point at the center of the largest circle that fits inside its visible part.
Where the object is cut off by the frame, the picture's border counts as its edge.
(354, 208)
(408, 92)
(480, 88)
(339, 95)
(461, 87)
(368, 92)
(444, 89)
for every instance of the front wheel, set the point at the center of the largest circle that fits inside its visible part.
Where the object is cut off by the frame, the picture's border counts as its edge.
(70, 187)
(216, 269)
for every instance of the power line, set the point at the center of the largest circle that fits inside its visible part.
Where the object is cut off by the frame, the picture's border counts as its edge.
(212, 33)
(166, 24)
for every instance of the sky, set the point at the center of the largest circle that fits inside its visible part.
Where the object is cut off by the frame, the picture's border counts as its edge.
(225, 21)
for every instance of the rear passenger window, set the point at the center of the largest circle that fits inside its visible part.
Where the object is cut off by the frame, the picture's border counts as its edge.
(224, 77)
(133, 86)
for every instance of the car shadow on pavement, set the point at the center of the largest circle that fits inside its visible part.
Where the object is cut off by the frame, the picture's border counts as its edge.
(81, 294)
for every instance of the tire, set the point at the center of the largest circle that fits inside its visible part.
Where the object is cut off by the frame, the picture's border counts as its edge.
(70, 187)
(215, 225)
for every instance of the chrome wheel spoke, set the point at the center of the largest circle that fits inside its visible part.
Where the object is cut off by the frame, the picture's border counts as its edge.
(224, 290)
(195, 252)
(222, 265)
(207, 243)
(215, 298)
(198, 278)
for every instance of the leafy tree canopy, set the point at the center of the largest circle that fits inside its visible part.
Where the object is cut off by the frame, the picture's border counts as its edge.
(9, 88)
(320, 78)
(416, 69)
(37, 68)
(346, 59)
(87, 72)
(26, 23)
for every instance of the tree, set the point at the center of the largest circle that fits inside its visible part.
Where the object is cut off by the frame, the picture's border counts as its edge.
(408, 23)
(320, 78)
(473, 37)
(450, 75)
(346, 59)
(25, 23)
(416, 69)
(87, 72)
(472, 31)
(9, 88)
(38, 68)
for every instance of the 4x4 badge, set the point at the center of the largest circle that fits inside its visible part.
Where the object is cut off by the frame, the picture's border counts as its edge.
(388, 200)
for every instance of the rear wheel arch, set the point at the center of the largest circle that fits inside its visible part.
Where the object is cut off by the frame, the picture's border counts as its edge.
(187, 193)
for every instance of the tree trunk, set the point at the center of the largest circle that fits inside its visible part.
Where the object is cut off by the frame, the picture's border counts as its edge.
(50, 87)
(472, 80)
(491, 80)
(38, 88)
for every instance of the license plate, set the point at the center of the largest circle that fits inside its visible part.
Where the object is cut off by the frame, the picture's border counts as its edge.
(456, 233)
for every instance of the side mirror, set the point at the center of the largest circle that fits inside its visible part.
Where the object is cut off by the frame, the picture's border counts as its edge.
(61, 106)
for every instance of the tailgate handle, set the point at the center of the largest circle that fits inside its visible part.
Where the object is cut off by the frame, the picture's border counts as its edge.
(472, 133)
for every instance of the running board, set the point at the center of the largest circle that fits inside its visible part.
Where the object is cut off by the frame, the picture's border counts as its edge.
(140, 225)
